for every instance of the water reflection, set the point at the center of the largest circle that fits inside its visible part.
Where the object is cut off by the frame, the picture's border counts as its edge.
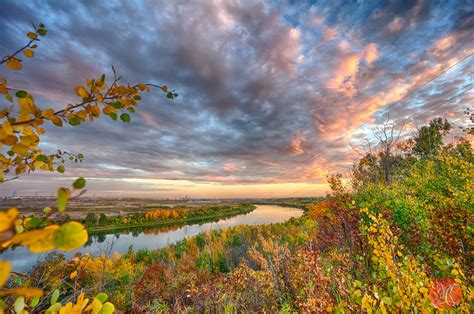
(155, 238)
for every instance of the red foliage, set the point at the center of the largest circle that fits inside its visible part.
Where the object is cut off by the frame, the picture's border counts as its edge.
(152, 285)
(445, 293)
(337, 223)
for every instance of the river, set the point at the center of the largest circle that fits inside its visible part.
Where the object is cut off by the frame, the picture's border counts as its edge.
(152, 239)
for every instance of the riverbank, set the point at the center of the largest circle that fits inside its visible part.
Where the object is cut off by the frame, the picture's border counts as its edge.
(151, 237)
(178, 221)
(204, 253)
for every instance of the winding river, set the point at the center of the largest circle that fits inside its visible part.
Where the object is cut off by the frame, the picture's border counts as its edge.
(156, 238)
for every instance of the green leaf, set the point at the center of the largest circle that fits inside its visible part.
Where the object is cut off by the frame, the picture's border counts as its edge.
(387, 300)
(21, 94)
(79, 183)
(19, 304)
(17, 281)
(113, 115)
(125, 117)
(74, 121)
(42, 157)
(34, 302)
(117, 105)
(80, 156)
(34, 222)
(102, 297)
(169, 95)
(131, 109)
(102, 78)
(60, 169)
(3, 305)
(137, 97)
(63, 198)
(42, 31)
(47, 210)
(107, 308)
(54, 308)
(70, 236)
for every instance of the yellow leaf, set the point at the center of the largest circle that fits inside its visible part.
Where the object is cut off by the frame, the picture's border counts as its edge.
(28, 292)
(7, 218)
(10, 140)
(4, 272)
(24, 292)
(57, 121)
(38, 164)
(26, 106)
(30, 141)
(14, 64)
(82, 115)
(73, 275)
(48, 114)
(95, 111)
(20, 149)
(63, 198)
(81, 91)
(3, 89)
(31, 35)
(38, 241)
(28, 53)
(70, 236)
(109, 109)
(7, 127)
(68, 308)
(95, 306)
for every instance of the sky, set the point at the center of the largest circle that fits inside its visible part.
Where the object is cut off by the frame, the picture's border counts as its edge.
(273, 95)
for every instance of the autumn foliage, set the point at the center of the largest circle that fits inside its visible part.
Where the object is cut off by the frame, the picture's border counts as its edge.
(21, 129)
(398, 241)
(157, 214)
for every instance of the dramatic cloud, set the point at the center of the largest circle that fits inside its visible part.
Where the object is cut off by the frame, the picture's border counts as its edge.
(297, 143)
(346, 72)
(272, 95)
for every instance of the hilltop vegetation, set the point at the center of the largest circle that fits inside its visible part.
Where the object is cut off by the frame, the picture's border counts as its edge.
(398, 239)
(391, 246)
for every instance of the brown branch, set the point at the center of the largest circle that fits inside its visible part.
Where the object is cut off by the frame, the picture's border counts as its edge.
(6, 58)
(10, 179)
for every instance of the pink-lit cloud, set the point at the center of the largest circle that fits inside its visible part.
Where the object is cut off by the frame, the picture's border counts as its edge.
(269, 94)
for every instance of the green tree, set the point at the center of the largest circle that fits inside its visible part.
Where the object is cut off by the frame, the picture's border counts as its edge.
(103, 220)
(429, 139)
